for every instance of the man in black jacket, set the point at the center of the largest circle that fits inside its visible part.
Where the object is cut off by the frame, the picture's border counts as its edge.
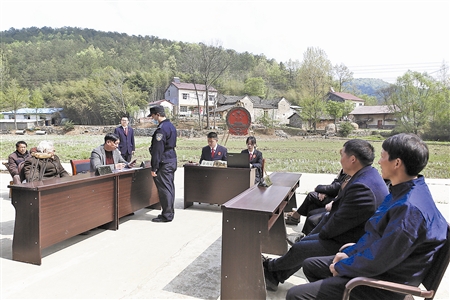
(356, 202)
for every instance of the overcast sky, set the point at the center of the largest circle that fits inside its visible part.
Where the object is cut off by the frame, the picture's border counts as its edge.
(374, 39)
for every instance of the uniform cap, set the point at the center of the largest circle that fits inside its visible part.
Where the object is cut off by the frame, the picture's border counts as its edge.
(158, 109)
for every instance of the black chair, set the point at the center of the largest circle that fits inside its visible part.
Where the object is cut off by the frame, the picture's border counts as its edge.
(431, 281)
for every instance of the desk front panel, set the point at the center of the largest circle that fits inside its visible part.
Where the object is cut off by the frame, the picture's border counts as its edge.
(136, 190)
(215, 185)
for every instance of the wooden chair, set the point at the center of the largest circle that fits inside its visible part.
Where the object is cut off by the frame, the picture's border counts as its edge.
(6, 164)
(80, 166)
(431, 281)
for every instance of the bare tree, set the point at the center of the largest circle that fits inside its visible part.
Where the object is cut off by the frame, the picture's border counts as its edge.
(211, 63)
(342, 75)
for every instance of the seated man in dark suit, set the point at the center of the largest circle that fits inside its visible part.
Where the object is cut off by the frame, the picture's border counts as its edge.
(400, 239)
(213, 151)
(108, 154)
(356, 202)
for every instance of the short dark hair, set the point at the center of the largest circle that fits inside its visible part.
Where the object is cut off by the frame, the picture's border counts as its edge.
(362, 150)
(21, 143)
(251, 139)
(111, 137)
(212, 135)
(410, 149)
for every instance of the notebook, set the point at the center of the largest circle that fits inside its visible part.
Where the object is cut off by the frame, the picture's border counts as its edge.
(238, 160)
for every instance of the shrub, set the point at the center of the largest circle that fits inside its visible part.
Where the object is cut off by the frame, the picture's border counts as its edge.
(345, 128)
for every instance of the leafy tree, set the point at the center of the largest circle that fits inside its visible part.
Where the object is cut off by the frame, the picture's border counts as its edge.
(314, 81)
(413, 94)
(369, 100)
(15, 98)
(343, 75)
(255, 87)
(335, 109)
(36, 101)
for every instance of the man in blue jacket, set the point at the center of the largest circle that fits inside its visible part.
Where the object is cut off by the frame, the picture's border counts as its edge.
(400, 239)
(126, 137)
(356, 202)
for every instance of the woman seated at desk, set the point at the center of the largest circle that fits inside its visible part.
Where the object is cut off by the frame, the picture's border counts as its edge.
(255, 157)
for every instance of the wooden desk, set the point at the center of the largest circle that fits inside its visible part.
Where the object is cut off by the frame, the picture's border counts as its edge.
(253, 223)
(54, 210)
(215, 185)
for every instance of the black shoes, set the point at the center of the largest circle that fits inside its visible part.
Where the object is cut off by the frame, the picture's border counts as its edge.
(160, 219)
(290, 220)
(294, 238)
(271, 282)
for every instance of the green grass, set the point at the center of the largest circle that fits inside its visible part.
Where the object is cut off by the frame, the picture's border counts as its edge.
(304, 155)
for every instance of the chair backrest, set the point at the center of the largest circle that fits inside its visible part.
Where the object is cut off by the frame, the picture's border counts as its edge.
(80, 166)
(438, 266)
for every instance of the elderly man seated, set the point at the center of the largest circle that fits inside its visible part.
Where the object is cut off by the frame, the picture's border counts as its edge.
(44, 162)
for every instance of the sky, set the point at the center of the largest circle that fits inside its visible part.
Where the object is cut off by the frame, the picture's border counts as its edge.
(374, 39)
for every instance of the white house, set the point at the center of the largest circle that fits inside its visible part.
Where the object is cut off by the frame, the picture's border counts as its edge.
(184, 96)
(379, 116)
(344, 97)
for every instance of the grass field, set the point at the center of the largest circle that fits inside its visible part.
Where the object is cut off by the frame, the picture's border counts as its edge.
(295, 154)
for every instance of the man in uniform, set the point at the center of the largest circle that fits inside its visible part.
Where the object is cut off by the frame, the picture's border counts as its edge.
(164, 162)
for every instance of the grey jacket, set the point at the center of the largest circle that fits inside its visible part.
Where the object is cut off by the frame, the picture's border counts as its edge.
(98, 158)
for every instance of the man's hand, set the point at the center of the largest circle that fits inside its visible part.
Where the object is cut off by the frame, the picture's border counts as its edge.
(329, 206)
(120, 166)
(338, 257)
(154, 174)
(321, 196)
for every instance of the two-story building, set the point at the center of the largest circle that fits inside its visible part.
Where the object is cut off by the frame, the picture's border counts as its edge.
(344, 97)
(184, 97)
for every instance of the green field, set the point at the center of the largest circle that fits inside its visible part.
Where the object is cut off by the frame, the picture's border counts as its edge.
(296, 154)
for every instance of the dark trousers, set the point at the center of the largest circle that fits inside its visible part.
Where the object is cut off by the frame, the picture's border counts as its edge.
(324, 286)
(164, 182)
(127, 156)
(313, 219)
(310, 246)
(312, 202)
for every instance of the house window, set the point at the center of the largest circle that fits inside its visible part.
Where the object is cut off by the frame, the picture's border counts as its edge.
(211, 97)
(185, 96)
(183, 108)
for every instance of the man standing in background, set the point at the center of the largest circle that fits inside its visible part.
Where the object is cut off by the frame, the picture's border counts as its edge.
(126, 137)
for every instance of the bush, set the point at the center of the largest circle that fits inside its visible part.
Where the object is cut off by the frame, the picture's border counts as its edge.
(68, 126)
(345, 128)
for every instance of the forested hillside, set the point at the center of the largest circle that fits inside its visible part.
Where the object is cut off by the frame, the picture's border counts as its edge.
(99, 76)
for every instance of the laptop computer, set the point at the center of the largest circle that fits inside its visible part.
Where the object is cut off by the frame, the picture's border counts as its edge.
(238, 160)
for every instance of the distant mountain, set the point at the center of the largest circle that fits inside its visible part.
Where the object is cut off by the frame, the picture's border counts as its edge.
(366, 86)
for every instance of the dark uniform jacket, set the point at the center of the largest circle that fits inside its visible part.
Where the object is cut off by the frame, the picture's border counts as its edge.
(164, 141)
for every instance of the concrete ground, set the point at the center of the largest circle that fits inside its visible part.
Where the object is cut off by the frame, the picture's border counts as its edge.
(145, 260)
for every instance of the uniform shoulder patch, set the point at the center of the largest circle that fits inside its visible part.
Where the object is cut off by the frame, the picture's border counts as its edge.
(159, 136)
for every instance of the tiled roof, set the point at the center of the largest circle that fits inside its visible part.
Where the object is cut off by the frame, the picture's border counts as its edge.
(371, 110)
(347, 96)
(190, 86)
(33, 111)
(159, 102)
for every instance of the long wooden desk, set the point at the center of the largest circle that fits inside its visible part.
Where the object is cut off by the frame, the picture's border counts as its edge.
(54, 210)
(253, 223)
(215, 185)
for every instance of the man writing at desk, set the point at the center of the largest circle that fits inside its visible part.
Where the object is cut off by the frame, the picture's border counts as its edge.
(108, 154)
(213, 151)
